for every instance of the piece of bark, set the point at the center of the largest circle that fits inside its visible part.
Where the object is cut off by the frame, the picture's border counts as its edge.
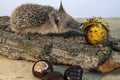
(68, 49)
(109, 66)
(112, 64)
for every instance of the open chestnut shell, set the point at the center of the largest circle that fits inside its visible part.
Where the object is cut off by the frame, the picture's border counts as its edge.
(74, 72)
(54, 75)
(41, 68)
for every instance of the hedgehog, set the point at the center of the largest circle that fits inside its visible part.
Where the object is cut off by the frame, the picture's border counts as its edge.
(43, 19)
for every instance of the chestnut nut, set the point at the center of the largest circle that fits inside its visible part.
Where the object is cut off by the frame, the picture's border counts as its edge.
(74, 72)
(54, 75)
(44, 70)
(41, 68)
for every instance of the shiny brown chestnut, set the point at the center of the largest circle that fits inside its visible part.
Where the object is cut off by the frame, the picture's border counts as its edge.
(41, 68)
(54, 75)
(74, 72)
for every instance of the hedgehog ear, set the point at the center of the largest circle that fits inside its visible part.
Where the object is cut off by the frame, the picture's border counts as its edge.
(54, 19)
(61, 9)
(55, 16)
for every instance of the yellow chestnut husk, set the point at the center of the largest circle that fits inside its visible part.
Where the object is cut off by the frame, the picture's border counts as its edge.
(96, 31)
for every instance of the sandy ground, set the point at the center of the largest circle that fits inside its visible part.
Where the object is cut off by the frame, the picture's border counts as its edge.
(15, 70)
(114, 26)
(22, 70)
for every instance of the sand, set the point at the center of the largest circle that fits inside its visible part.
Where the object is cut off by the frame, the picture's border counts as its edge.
(22, 70)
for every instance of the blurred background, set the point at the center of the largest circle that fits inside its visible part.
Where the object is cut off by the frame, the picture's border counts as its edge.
(76, 8)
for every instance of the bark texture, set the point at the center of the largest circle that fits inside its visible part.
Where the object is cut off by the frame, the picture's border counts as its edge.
(68, 49)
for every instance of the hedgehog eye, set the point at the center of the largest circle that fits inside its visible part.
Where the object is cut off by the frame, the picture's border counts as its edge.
(69, 24)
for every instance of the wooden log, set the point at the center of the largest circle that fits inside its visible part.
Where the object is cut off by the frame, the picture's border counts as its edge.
(68, 49)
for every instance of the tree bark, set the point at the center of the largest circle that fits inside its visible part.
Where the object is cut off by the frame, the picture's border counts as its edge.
(68, 49)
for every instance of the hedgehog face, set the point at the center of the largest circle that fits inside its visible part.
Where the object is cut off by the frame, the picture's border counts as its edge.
(63, 22)
(67, 23)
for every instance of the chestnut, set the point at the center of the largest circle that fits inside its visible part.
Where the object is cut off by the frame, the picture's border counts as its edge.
(74, 72)
(41, 68)
(54, 75)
